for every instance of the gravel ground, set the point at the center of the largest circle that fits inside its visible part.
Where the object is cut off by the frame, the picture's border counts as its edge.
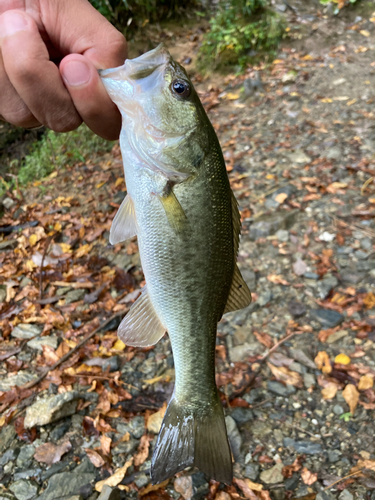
(295, 368)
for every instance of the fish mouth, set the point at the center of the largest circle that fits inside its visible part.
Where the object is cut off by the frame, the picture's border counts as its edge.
(142, 74)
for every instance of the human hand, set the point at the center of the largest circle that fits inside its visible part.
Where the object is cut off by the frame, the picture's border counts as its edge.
(50, 51)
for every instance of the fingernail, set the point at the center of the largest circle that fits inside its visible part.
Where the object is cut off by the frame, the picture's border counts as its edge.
(76, 73)
(13, 23)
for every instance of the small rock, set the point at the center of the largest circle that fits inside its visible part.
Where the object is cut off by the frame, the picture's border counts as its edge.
(51, 409)
(345, 495)
(25, 456)
(264, 298)
(334, 153)
(242, 335)
(75, 295)
(278, 493)
(282, 235)
(24, 490)
(296, 309)
(137, 427)
(108, 493)
(234, 437)
(367, 265)
(334, 456)
(326, 236)
(325, 495)
(8, 202)
(311, 276)
(26, 331)
(277, 388)
(308, 380)
(39, 342)
(8, 244)
(326, 317)
(298, 157)
(299, 267)
(27, 474)
(338, 410)
(9, 455)
(252, 471)
(112, 364)
(289, 77)
(242, 415)
(337, 336)
(273, 475)
(306, 447)
(184, 486)
(266, 225)
(126, 447)
(302, 357)
(292, 482)
(67, 483)
(326, 285)
(141, 480)
(16, 379)
(7, 434)
(241, 352)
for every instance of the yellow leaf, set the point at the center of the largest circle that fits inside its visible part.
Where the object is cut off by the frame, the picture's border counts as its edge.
(365, 33)
(361, 49)
(351, 396)
(349, 103)
(29, 265)
(366, 464)
(278, 61)
(342, 359)
(365, 382)
(119, 181)
(281, 197)
(330, 391)
(53, 175)
(83, 250)
(37, 183)
(371, 200)
(326, 99)
(65, 247)
(33, 239)
(307, 58)
(119, 345)
(369, 300)
(341, 98)
(270, 176)
(232, 97)
(116, 478)
(100, 184)
(322, 362)
(57, 226)
(153, 487)
(283, 374)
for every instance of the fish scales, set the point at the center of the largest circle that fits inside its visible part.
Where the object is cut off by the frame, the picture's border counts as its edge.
(181, 208)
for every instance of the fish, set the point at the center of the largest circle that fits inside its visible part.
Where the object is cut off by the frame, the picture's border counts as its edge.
(180, 205)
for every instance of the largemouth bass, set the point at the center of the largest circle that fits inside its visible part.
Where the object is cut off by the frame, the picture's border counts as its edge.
(180, 205)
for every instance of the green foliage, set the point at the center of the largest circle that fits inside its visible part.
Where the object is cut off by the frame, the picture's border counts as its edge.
(55, 151)
(124, 13)
(241, 30)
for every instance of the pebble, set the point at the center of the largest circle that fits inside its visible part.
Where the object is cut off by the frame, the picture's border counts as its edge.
(345, 495)
(50, 409)
(334, 456)
(298, 157)
(325, 495)
(242, 415)
(337, 336)
(141, 480)
(137, 427)
(303, 358)
(234, 437)
(327, 317)
(24, 490)
(325, 286)
(327, 237)
(26, 331)
(277, 388)
(25, 456)
(338, 410)
(273, 475)
(282, 235)
(39, 342)
(308, 380)
(241, 352)
(296, 309)
(109, 493)
(75, 295)
(184, 486)
(264, 298)
(252, 471)
(306, 447)
(17, 379)
(266, 225)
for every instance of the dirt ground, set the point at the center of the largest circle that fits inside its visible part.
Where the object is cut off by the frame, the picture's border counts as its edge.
(295, 369)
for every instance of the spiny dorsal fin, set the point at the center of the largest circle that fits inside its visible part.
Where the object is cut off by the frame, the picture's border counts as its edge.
(141, 327)
(124, 224)
(174, 211)
(239, 294)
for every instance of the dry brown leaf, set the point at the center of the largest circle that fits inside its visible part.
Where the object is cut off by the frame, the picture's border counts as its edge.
(223, 495)
(330, 391)
(288, 470)
(50, 453)
(105, 444)
(116, 478)
(308, 477)
(323, 363)
(369, 300)
(246, 490)
(351, 396)
(94, 457)
(366, 464)
(264, 339)
(143, 449)
(263, 495)
(153, 487)
(184, 486)
(283, 374)
(155, 420)
(281, 197)
(365, 382)
(277, 279)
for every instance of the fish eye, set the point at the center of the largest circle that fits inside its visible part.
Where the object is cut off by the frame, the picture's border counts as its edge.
(181, 88)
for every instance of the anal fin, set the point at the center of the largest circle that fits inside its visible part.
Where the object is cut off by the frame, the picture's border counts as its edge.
(141, 326)
(239, 294)
(124, 224)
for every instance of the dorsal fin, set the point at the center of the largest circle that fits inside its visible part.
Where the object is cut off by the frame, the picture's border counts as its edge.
(239, 294)
(124, 224)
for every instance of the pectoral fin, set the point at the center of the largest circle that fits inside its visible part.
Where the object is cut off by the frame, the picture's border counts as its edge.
(239, 294)
(174, 211)
(124, 224)
(141, 327)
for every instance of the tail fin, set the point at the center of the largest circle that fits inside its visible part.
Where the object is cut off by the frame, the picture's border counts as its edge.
(192, 436)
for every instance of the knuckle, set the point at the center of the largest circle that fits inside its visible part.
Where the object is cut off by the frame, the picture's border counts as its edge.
(20, 116)
(117, 44)
(65, 123)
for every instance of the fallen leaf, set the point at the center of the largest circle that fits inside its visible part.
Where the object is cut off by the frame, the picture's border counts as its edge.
(351, 396)
(33, 239)
(308, 477)
(287, 470)
(366, 464)
(335, 186)
(105, 444)
(323, 363)
(143, 450)
(223, 495)
(365, 33)
(49, 453)
(299, 267)
(155, 420)
(116, 478)
(94, 457)
(369, 300)
(277, 279)
(285, 375)
(184, 486)
(153, 487)
(264, 339)
(232, 97)
(365, 382)
(330, 391)
(281, 197)
(246, 490)
(342, 359)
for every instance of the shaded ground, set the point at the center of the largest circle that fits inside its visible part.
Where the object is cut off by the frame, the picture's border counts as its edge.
(298, 139)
